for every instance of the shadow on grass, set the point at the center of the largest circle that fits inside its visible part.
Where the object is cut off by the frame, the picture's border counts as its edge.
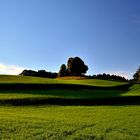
(27, 86)
(102, 98)
(63, 91)
(129, 100)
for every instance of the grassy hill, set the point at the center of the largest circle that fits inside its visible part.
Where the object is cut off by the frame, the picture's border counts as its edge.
(50, 109)
(33, 90)
(37, 80)
(70, 122)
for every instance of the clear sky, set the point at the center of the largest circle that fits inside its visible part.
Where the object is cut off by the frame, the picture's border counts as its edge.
(43, 34)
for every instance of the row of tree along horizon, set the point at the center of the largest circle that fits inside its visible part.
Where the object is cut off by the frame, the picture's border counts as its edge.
(76, 67)
(45, 74)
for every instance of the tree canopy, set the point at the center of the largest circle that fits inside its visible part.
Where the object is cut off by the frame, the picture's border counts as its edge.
(136, 76)
(39, 73)
(63, 70)
(76, 66)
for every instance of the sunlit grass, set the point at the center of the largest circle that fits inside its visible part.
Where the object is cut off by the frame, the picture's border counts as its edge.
(133, 90)
(70, 122)
(51, 122)
(37, 80)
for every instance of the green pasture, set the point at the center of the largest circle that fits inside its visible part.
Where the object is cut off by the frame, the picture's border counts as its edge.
(71, 93)
(133, 90)
(36, 80)
(68, 122)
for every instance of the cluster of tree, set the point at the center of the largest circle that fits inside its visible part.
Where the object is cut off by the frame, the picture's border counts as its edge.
(136, 76)
(108, 77)
(39, 73)
(75, 67)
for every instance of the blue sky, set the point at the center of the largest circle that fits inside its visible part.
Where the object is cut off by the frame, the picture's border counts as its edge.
(43, 34)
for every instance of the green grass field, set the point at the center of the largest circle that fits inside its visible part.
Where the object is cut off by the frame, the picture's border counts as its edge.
(28, 79)
(79, 93)
(70, 122)
(32, 121)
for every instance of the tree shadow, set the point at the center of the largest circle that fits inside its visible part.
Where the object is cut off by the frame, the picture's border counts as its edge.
(102, 95)
(117, 101)
(26, 86)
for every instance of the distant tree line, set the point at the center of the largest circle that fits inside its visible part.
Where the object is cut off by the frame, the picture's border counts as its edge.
(105, 76)
(39, 73)
(45, 74)
(76, 67)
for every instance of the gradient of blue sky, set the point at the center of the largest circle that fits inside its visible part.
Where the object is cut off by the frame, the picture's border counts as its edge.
(43, 34)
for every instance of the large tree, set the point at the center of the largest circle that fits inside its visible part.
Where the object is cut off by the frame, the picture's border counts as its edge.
(62, 71)
(137, 75)
(76, 66)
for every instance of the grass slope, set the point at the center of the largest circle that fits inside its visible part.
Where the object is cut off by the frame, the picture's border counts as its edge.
(36, 80)
(133, 90)
(53, 122)
(43, 90)
(70, 123)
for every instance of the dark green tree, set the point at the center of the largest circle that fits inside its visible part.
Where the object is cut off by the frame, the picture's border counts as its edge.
(76, 66)
(63, 71)
(136, 76)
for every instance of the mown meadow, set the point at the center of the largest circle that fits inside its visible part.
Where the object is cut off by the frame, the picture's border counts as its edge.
(70, 122)
(75, 109)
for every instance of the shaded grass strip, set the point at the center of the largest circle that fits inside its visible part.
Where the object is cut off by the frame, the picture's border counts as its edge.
(20, 86)
(133, 100)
